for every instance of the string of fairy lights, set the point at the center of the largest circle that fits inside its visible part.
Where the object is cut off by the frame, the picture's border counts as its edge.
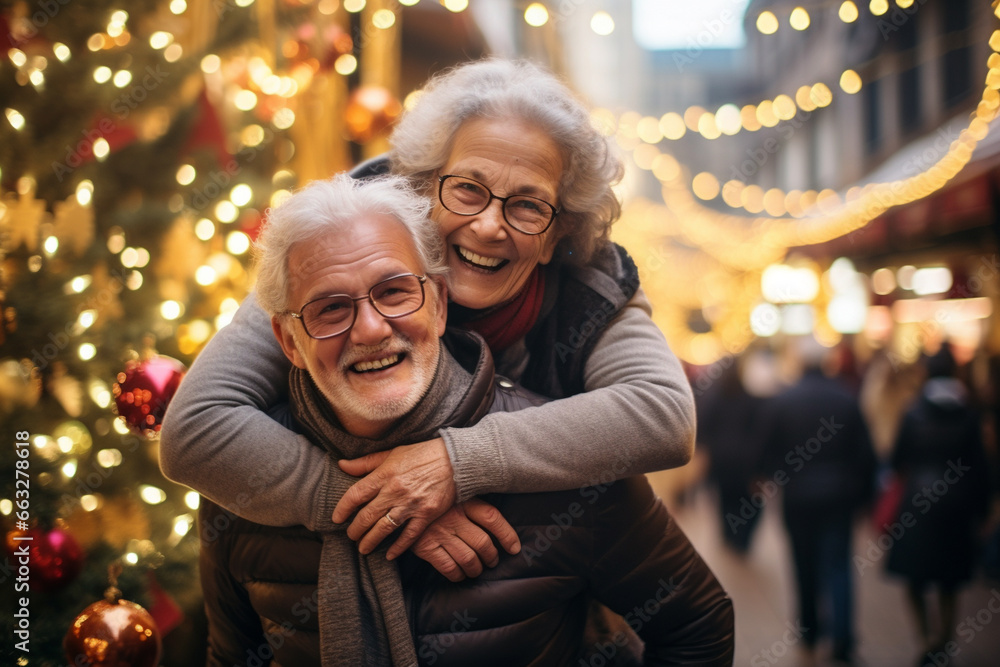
(768, 21)
(720, 275)
(764, 223)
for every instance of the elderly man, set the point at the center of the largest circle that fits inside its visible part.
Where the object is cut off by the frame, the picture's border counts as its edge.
(349, 273)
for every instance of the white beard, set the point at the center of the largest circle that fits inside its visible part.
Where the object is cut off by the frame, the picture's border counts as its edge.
(349, 406)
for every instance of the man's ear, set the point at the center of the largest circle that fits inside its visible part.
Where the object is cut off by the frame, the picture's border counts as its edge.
(441, 316)
(287, 340)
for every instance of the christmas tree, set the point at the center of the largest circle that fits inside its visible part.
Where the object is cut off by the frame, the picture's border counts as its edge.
(140, 144)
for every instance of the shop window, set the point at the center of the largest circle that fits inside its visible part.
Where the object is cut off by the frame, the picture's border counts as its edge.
(956, 67)
(906, 37)
(956, 61)
(873, 129)
(957, 16)
(909, 99)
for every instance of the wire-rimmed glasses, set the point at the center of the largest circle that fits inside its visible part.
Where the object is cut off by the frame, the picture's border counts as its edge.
(334, 314)
(467, 196)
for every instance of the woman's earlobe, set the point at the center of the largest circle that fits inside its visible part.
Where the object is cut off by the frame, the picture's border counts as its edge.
(548, 250)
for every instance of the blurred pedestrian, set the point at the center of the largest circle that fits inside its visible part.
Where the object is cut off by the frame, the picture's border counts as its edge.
(939, 454)
(821, 456)
(887, 389)
(727, 416)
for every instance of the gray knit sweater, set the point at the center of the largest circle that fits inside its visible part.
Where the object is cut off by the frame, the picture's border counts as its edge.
(636, 416)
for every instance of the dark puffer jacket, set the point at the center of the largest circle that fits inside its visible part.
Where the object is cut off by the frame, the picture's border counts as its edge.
(615, 544)
(611, 543)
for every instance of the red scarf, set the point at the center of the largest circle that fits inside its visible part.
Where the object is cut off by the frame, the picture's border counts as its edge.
(507, 324)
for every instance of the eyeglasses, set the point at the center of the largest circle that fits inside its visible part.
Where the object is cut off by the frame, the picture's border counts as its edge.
(465, 196)
(332, 315)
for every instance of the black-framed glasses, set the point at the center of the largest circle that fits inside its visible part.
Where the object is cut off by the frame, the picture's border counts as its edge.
(332, 315)
(465, 196)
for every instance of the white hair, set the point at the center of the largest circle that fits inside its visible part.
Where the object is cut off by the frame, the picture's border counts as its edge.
(503, 89)
(335, 205)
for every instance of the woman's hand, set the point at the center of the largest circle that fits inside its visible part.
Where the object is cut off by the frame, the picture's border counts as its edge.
(412, 484)
(457, 544)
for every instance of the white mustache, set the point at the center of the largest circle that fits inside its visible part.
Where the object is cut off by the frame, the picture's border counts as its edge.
(395, 345)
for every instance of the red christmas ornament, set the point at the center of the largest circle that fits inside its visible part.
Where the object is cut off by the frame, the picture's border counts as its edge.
(54, 557)
(369, 113)
(113, 633)
(165, 611)
(117, 134)
(207, 132)
(251, 223)
(144, 390)
(18, 31)
(337, 43)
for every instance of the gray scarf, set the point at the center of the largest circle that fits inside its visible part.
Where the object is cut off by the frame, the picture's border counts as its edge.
(362, 614)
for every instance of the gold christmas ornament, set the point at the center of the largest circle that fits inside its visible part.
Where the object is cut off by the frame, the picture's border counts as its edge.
(66, 389)
(73, 225)
(21, 216)
(102, 294)
(370, 111)
(20, 387)
(181, 253)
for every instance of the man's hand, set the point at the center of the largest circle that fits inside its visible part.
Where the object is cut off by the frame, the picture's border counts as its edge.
(458, 548)
(412, 484)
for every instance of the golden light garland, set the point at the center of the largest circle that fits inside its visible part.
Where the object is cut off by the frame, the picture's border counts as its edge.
(737, 247)
(729, 119)
(719, 274)
(767, 22)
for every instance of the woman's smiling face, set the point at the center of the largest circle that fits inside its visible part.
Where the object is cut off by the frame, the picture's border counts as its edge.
(490, 261)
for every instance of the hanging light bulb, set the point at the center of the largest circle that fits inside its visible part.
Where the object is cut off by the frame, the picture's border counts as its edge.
(850, 82)
(799, 19)
(767, 23)
(602, 23)
(848, 12)
(536, 15)
(878, 7)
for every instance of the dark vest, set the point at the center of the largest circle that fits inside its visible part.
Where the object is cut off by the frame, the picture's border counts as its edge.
(579, 303)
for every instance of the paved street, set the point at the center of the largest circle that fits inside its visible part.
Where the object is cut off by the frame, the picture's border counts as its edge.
(761, 587)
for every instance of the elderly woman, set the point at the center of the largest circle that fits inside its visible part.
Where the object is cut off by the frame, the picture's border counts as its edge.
(522, 184)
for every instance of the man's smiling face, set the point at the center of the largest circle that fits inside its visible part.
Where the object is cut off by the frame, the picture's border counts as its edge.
(379, 370)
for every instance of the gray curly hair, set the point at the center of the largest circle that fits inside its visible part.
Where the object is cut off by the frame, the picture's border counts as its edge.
(334, 205)
(500, 89)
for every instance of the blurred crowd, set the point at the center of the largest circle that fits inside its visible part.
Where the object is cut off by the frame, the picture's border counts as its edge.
(910, 447)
